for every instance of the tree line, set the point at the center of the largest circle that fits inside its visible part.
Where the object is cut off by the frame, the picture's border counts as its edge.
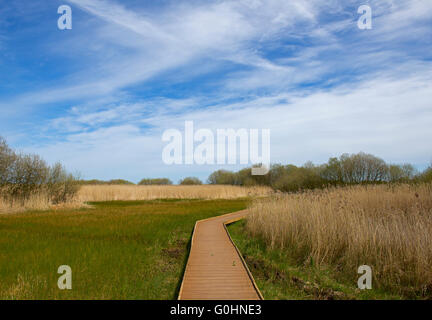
(22, 175)
(143, 182)
(360, 168)
(165, 181)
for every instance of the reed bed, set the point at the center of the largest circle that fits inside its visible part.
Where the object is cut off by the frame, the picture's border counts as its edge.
(37, 201)
(387, 227)
(125, 192)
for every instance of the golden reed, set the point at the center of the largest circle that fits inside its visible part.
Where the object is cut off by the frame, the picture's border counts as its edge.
(89, 193)
(127, 192)
(386, 227)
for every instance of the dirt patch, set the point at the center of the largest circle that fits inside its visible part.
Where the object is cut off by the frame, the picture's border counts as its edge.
(175, 251)
(319, 293)
(264, 270)
(268, 272)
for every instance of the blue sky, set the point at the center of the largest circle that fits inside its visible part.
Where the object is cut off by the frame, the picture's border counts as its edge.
(98, 97)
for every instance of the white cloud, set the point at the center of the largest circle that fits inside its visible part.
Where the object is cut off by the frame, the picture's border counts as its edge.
(385, 116)
(177, 36)
(379, 102)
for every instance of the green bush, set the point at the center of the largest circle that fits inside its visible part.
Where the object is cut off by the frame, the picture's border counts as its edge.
(102, 182)
(190, 181)
(426, 176)
(120, 182)
(223, 177)
(401, 173)
(157, 181)
(299, 179)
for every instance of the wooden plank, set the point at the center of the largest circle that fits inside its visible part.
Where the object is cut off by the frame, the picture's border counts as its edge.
(215, 269)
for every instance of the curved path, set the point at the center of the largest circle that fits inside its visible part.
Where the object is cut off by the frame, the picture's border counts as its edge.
(215, 269)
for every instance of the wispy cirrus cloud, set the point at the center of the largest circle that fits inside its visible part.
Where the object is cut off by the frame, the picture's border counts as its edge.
(127, 71)
(374, 116)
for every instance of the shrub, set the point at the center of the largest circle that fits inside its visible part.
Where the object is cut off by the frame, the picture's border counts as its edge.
(401, 173)
(245, 178)
(120, 182)
(297, 179)
(426, 176)
(62, 186)
(92, 182)
(157, 181)
(190, 181)
(223, 177)
(23, 176)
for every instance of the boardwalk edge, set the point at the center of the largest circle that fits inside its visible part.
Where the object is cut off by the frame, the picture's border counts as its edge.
(225, 223)
(187, 264)
(242, 259)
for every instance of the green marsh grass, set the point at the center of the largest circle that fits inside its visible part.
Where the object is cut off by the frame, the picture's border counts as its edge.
(117, 249)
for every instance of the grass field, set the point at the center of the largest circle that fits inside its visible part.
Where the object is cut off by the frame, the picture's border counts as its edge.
(298, 246)
(117, 250)
(315, 241)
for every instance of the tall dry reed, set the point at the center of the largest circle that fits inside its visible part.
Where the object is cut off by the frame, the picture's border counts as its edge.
(386, 227)
(37, 200)
(126, 192)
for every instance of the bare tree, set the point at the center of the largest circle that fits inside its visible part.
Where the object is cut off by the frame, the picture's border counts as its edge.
(363, 167)
(22, 175)
(7, 158)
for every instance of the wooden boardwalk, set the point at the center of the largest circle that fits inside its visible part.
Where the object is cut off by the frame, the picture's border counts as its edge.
(215, 269)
